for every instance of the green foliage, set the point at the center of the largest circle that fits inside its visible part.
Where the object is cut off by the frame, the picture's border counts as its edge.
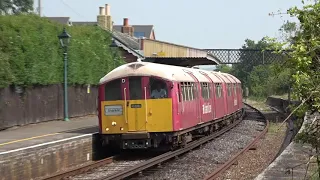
(223, 68)
(262, 79)
(5, 73)
(288, 31)
(16, 6)
(31, 53)
(304, 61)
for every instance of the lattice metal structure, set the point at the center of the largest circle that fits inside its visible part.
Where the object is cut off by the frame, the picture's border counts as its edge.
(257, 56)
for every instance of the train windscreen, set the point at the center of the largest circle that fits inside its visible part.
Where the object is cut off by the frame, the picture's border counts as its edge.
(113, 90)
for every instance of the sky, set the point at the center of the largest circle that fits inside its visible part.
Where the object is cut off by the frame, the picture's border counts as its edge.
(209, 24)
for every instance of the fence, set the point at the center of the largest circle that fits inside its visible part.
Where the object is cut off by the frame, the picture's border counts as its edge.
(44, 103)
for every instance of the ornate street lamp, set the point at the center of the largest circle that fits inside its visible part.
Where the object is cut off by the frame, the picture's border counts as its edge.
(64, 38)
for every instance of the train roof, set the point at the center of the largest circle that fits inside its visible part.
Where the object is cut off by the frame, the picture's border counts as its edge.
(169, 72)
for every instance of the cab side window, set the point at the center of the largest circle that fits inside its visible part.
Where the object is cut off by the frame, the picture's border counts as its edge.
(158, 89)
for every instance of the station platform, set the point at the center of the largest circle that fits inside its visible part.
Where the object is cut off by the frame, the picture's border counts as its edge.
(45, 132)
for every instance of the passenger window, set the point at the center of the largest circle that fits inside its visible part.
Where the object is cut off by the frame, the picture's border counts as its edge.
(218, 90)
(194, 90)
(113, 90)
(183, 91)
(205, 90)
(158, 89)
(229, 89)
(235, 89)
(179, 99)
(135, 88)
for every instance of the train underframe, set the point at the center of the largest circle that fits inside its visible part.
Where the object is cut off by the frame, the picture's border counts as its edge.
(168, 140)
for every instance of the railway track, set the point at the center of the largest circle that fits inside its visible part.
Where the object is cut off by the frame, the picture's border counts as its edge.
(252, 113)
(121, 169)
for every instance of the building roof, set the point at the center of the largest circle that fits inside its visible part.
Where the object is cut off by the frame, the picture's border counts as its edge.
(126, 39)
(146, 29)
(61, 20)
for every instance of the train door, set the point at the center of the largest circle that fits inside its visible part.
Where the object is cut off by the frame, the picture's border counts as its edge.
(223, 90)
(208, 105)
(136, 110)
(196, 100)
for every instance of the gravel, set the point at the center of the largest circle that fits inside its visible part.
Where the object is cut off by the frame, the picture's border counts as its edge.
(202, 161)
(251, 163)
(111, 168)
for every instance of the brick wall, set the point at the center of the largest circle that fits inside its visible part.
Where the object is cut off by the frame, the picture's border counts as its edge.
(46, 160)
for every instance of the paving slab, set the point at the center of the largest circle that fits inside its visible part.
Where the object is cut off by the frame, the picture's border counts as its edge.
(35, 134)
(292, 163)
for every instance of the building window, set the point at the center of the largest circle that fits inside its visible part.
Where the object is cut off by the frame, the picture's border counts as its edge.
(139, 34)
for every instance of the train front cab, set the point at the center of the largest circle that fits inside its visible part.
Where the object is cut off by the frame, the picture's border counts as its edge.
(130, 117)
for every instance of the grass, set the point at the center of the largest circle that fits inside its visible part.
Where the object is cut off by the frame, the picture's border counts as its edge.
(313, 172)
(258, 103)
(275, 127)
(283, 96)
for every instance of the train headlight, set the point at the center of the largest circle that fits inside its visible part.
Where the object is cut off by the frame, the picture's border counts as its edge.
(113, 123)
(121, 129)
(107, 129)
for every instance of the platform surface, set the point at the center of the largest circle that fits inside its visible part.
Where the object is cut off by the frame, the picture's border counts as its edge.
(35, 134)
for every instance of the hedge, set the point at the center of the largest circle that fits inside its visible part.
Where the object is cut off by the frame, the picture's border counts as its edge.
(30, 53)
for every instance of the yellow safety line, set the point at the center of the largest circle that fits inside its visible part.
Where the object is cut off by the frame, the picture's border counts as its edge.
(35, 137)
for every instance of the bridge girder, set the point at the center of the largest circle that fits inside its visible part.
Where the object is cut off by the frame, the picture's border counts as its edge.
(235, 56)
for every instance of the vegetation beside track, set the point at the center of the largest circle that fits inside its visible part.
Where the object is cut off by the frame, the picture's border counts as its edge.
(253, 162)
(30, 53)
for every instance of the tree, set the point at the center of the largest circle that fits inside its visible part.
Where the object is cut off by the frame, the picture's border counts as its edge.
(288, 31)
(5, 6)
(16, 6)
(250, 57)
(304, 60)
(22, 6)
(223, 68)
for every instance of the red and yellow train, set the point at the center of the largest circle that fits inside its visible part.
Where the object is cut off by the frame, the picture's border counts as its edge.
(147, 105)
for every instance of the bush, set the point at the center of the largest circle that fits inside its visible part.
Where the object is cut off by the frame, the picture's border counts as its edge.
(30, 52)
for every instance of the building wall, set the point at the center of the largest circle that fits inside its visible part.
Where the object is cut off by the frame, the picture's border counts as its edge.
(152, 48)
(162, 49)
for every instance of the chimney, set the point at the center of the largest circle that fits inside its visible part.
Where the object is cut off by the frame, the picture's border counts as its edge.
(107, 9)
(126, 28)
(125, 22)
(101, 10)
(104, 18)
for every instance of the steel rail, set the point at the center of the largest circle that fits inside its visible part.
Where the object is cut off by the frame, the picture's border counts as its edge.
(81, 169)
(226, 165)
(169, 155)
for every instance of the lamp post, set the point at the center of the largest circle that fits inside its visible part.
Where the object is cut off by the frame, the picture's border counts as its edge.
(64, 38)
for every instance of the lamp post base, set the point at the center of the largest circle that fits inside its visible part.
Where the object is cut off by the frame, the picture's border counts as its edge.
(66, 119)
